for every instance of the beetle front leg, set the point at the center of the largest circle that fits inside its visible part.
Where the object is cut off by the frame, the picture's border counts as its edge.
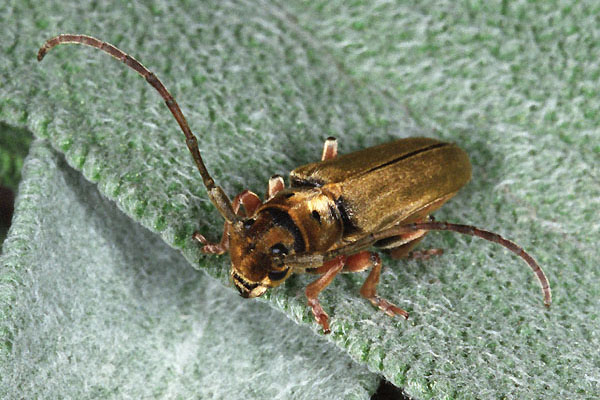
(276, 184)
(214, 248)
(329, 270)
(360, 262)
(251, 202)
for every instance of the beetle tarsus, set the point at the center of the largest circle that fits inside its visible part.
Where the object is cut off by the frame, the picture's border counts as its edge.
(387, 307)
(360, 262)
(209, 247)
(320, 315)
(200, 238)
(425, 254)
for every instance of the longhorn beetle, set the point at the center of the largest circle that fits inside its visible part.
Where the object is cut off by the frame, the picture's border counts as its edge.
(333, 211)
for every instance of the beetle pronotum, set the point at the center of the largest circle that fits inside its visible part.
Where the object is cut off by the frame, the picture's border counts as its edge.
(333, 211)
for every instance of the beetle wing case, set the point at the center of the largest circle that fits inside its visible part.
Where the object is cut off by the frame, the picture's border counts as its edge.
(381, 186)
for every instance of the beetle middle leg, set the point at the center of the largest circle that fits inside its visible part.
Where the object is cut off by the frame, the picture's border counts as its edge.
(329, 149)
(364, 260)
(251, 202)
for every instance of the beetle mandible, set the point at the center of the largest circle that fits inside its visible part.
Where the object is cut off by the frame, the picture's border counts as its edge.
(333, 211)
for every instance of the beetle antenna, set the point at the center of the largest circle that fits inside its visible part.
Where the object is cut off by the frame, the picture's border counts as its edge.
(216, 193)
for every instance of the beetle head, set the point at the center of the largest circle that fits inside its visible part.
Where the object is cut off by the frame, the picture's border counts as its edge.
(256, 245)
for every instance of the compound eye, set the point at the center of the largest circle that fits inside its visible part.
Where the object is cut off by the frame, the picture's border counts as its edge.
(248, 223)
(279, 249)
(278, 275)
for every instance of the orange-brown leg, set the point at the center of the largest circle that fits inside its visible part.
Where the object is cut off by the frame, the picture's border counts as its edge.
(329, 149)
(408, 241)
(214, 248)
(425, 254)
(276, 184)
(251, 202)
(360, 262)
(406, 251)
(329, 270)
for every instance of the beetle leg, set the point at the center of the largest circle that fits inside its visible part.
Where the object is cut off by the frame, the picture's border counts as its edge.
(360, 262)
(424, 254)
(276, 184)
(401, 246)
(405, 250)
(211, 247)
(251, 202)
(329, 270)
(329, 149)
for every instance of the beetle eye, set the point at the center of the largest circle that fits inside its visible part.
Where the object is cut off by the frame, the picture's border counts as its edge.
(278, 275)
(248, 223)
(279, 249)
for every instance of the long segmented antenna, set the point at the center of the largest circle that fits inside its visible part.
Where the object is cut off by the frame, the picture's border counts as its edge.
(368, 240)
(216, 194)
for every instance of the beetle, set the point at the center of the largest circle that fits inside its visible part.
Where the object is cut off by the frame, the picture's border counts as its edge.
(334, 211)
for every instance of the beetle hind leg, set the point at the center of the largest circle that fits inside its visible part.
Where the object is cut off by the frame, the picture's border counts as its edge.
(364, 260)
(425, 254)
(406, 251)
(402, 246)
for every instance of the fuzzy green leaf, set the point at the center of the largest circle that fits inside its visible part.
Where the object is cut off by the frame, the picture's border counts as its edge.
(98, 306)
(263, 85)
